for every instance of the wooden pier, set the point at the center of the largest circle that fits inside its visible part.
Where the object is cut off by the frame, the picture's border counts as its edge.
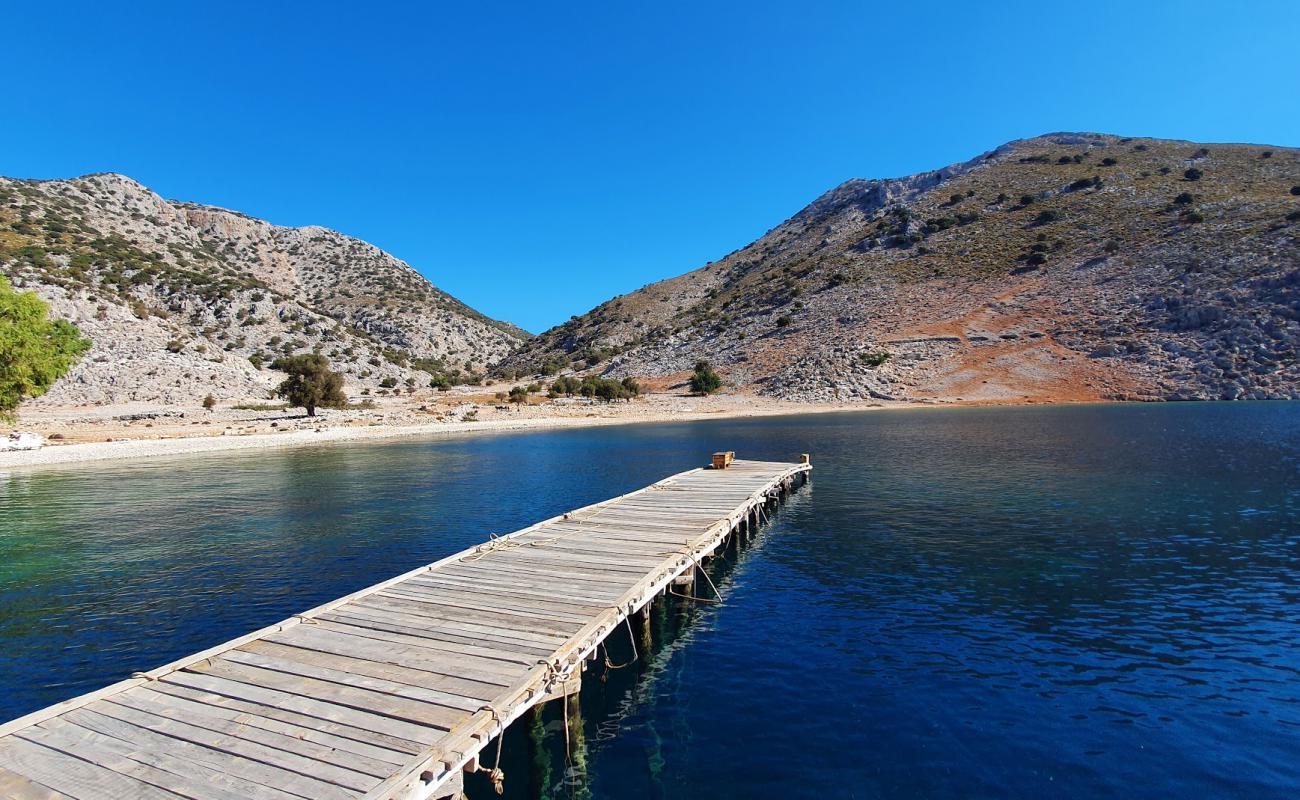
(392, 691)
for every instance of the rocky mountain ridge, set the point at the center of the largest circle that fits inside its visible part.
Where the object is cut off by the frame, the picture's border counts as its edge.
(182, 300)
(1065, 267)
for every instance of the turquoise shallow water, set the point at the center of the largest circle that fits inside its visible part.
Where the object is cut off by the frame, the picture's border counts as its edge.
(1067, 602)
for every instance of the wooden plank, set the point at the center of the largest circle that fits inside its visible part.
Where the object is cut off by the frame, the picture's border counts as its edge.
(630, 552)
(396, 623)
(440, 611)
(202, 717)
(412, 677)
(388, 652)
(257, 711)
(71, 776)
(480, 601)
(420, 713)
(18, 787)
(453, 631)
(216, 758)
(329, 776)
(490, 600)
(185, 778)
(342, 677)
(593, 564)
(527, 590)
(560, 575)
(472, 659)
(315, 733)
(398, 729)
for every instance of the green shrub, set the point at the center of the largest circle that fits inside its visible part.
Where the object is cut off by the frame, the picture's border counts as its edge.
(783, 321)
(1193, 174)
(874, 360)
(1045, 217)
(36, 351)
(705, 380)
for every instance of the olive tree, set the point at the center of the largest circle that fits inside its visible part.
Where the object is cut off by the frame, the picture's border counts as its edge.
(311, 382)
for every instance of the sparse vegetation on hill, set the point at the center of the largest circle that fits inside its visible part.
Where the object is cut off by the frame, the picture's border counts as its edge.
(189, 299)
(1069, 266)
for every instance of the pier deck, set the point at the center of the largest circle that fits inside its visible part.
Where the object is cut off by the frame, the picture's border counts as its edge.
(391, 691)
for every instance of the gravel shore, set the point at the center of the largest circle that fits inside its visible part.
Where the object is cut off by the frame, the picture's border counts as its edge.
(86, 452)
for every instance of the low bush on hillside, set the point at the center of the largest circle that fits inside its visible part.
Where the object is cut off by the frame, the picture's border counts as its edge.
(704, 380)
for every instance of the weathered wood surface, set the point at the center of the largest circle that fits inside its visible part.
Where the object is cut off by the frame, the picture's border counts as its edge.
(390, 691)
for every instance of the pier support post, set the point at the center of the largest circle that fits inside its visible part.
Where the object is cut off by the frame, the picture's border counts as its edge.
(452, 789)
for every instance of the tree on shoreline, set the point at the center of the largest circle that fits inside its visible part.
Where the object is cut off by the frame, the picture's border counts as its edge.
(311, 383)
(35, 351)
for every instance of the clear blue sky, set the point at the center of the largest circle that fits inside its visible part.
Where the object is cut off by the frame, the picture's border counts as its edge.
(535, 159)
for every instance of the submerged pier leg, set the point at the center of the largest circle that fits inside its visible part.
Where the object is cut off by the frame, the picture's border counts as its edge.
(540, 776)
(647, 633)
(575, 744)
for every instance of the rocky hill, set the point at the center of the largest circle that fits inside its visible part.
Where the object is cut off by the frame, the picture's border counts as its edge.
(182, 300)
(1064, 267)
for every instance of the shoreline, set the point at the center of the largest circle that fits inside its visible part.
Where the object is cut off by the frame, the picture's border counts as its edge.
(100, 452)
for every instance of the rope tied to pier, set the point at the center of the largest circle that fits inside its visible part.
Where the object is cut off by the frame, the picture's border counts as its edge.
(699, 570)
(631, 637)
(496, 774)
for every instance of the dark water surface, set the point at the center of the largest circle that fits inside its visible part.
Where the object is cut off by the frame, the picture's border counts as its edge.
(1035, 602)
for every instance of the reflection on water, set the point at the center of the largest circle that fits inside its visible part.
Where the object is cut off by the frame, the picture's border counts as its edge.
(978, 603)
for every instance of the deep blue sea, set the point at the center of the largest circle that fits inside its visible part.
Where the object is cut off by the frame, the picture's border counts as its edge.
(1073, 602)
